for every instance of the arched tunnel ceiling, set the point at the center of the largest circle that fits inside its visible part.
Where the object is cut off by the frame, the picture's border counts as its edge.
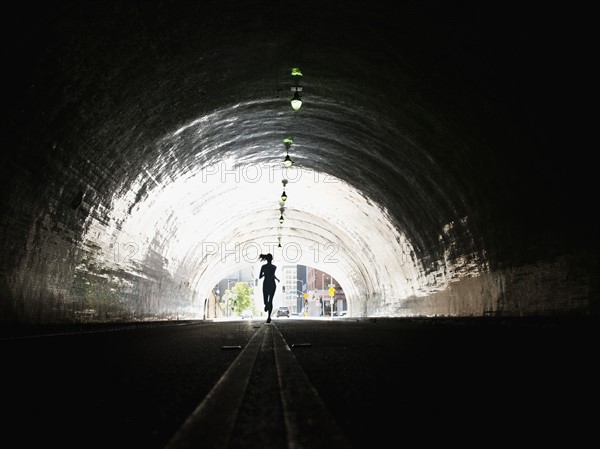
(420, 150)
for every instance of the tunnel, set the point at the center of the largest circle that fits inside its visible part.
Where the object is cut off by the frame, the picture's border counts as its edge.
(438, 168)
(435, 171)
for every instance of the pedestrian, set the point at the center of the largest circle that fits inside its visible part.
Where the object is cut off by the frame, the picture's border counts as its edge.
(268, 272)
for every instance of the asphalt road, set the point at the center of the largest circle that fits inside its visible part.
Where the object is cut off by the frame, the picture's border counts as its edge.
(411, 382)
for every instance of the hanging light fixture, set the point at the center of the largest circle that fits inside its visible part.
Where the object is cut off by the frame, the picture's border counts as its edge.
(284, 195)
(281, 210)
(287, 161)
(296, 100)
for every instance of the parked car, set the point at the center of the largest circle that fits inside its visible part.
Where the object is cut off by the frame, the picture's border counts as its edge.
(283, 311)
(247, 314)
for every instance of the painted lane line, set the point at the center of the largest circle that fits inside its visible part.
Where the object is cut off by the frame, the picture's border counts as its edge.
(211, 424)
(308, 422)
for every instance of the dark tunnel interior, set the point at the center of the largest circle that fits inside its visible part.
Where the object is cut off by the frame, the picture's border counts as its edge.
(440, 149)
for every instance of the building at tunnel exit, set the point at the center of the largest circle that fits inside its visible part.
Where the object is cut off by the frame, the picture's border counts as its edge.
(437, 168)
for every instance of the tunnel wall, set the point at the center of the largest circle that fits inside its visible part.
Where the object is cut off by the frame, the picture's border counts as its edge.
(50, 276)
(563, 285)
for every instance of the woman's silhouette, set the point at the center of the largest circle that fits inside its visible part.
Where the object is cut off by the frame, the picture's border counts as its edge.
(268, 272)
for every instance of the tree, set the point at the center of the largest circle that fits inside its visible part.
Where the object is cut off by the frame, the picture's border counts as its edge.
(241, 295)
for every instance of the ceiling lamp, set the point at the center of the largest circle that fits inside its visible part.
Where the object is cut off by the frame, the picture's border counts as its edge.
(296, 100)
(281, 211)
(287, 161)
(284, 195)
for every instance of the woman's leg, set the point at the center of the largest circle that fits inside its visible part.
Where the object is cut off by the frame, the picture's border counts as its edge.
(269, 304)
(268, 298)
